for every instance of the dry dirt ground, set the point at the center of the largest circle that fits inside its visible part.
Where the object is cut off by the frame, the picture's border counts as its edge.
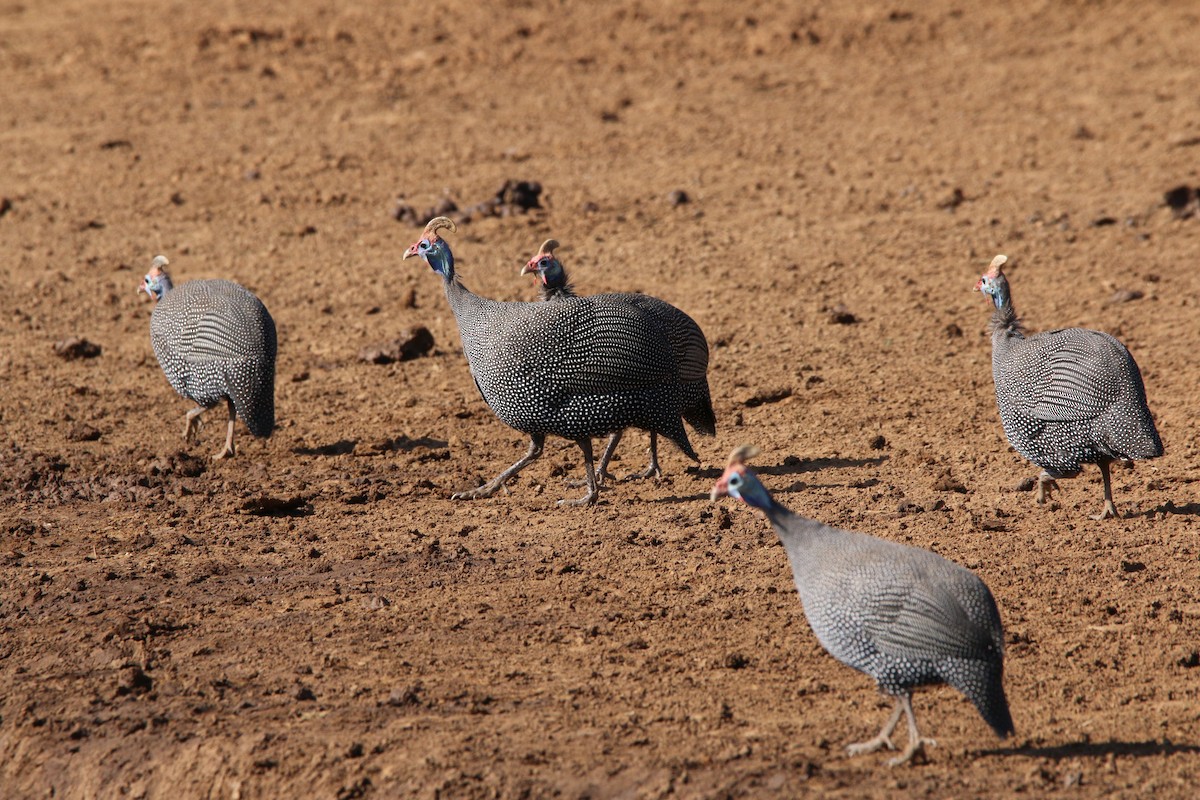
(317, 618)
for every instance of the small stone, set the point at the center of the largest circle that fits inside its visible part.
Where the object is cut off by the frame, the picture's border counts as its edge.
(678, 198)
(1125, 296)
(878, 443)
(304, 694)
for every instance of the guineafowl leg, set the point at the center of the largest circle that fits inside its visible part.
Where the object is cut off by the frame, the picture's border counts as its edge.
(602, 473)
(1110, 511)
(1045, 483)
(653, 470)
(588, 464)
(192, 423)
(227, 451)
(915, 743)
(883, 738)
(536, 442)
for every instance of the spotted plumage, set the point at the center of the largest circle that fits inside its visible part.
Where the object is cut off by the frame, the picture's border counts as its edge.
(689, 349)
(904, 616)
(576, 369)
(215, 341)
(1067, 397)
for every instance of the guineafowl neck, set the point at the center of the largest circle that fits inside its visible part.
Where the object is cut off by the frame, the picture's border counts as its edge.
(556, 292)
(1005, 322)
(800, 537)
(476, 316)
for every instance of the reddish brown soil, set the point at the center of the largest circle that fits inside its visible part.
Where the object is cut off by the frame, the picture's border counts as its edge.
(317, 618)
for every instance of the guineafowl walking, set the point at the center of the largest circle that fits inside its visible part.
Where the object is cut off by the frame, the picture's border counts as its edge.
(576, 369)
(214, 341)
(688, 346)
(1067, 397)
(905, 616)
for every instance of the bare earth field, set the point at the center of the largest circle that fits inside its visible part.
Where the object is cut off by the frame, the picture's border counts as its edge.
(317, 618)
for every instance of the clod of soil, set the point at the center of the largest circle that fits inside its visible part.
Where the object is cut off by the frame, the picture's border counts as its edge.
(412, 343)
(75, 347)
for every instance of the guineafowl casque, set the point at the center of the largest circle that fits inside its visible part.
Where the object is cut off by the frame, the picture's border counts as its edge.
(904, 616)
(1067, 397)
(214, 341)
(576, 369)
(688, 346)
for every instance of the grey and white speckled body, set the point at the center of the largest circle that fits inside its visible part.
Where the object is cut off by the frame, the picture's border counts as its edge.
(1067, 397)
(905, 616)
(1070, 397)
(575, 368)
(215, 340)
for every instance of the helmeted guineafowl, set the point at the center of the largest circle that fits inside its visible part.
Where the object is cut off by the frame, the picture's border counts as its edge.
(576, 368)
(905, 616)
(1067, 397)
(688, 346)
(214, 340)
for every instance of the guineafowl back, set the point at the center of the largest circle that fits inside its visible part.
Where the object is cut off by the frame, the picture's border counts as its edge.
(905, 616)
(576, 367)
(215, 339)
(1072, 396)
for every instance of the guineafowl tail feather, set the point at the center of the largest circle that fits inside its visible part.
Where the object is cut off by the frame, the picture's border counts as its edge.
(984, 687)
(699, 414)
(994, 710)
(254, 398)
(678, 435)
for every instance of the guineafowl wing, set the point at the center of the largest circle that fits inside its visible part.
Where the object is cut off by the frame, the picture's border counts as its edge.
(919, 615)
(614, 347)
(1082, 376)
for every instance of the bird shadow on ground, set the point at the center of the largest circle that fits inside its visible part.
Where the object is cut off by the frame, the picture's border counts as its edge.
(796, 466)
(793, 465)
(1169, 507)
(1097, 749)
(339, 448)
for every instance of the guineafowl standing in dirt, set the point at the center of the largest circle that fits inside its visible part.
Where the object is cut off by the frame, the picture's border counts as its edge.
(905, 616)
(688, 346)
(214, 341)
(577, 368)
(1067, 397)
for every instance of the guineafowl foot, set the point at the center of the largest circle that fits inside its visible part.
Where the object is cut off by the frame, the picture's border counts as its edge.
(487, 490)
(652, 471)
(192, 424)
(1109, 512)
(536, 443)
(1045, 487)
(915, 747)
(226, 452)
(882, 739)
(870, 746)
(586, 500)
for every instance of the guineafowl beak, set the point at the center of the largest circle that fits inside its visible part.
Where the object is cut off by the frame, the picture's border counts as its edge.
(721, 487)
(532, 266)
(410, 252)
